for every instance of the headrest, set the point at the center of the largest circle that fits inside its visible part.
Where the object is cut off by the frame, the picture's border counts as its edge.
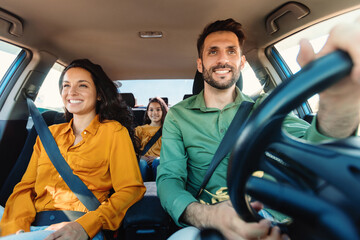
(199, 82)
(187, 96)
(165, 99)
(129, 99)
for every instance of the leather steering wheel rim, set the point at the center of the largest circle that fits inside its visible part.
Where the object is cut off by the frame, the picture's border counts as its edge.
(263, 130)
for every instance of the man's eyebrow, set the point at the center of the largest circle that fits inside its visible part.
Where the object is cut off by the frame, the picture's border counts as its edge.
(213, 47)
(216, 47)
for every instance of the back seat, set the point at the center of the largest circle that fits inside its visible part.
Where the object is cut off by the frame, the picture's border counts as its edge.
(138, 112)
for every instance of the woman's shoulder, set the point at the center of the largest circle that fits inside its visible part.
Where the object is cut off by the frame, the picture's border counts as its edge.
(59, 128)
(112, 124)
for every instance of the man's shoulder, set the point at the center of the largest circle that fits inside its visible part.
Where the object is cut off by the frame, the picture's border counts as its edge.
(186, 103)
(181, 111)
(189, 103)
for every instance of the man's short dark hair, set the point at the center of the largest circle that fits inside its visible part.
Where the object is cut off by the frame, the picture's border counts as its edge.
(229, 25)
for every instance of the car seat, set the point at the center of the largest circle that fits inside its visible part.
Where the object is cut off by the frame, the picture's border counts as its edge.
(19, 168)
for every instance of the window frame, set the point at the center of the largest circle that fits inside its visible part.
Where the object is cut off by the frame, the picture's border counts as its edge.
(284, 72)
(13, 72)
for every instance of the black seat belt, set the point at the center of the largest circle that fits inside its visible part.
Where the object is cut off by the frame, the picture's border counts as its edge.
(75, 184)
(154, 138)
(227, 142)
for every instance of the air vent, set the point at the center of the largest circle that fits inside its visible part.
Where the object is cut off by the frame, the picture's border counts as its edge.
(151, 34)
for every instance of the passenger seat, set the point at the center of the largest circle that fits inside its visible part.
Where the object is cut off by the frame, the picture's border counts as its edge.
(18, 170)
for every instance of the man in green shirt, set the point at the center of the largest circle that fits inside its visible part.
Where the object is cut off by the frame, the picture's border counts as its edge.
(194, 128)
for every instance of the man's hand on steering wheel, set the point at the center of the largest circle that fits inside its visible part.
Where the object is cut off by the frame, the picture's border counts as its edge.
(339, 105)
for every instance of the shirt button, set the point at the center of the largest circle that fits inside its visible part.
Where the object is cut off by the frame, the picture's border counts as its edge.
(84, 132)
(222, 130)
(52, 217)
(59, 176)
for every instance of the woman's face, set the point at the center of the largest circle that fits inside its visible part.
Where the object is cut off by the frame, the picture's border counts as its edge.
(154, 112)
(79, 92)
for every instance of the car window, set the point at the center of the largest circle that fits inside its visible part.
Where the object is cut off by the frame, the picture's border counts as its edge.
(175, 89)
(49, 95)
(317, 35)
(8, 54)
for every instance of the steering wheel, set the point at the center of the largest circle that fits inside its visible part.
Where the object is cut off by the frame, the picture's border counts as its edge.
(318, 185)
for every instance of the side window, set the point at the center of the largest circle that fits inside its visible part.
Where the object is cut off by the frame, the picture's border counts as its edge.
(251, 84)
(8, 55)
(49, 95)
(317, 35)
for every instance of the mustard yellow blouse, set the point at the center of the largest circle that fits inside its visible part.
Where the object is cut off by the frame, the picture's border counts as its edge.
(103, 160)
(145, 133)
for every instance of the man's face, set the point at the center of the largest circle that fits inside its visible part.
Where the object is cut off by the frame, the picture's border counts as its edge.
(221, 60)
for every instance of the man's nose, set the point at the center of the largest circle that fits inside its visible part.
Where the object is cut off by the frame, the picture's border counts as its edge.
(223, 57)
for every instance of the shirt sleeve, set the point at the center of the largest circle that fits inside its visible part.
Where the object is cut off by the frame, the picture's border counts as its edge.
(138, 132)
(302, 129)
(298, 127)
(127, 184)
(172, 171)
(20, 211)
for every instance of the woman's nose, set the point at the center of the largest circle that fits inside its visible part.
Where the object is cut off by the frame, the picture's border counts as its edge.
(72, 90)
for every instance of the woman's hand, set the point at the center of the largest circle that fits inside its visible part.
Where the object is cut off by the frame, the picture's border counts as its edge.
(148, 159)
(20, 231)
(67, 230)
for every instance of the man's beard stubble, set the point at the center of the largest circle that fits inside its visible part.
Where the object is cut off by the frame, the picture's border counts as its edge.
(207, 75)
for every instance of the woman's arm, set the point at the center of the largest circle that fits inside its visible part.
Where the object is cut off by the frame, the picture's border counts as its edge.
(20, 210)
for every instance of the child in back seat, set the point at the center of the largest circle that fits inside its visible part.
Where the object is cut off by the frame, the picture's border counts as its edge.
(153, 121)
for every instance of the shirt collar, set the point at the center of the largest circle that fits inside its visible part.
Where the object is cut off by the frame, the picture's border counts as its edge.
(94, 125)
(199, 101)
(92, 128)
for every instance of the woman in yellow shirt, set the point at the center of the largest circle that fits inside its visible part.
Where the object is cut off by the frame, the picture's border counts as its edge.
(97, 143)
(154, 119)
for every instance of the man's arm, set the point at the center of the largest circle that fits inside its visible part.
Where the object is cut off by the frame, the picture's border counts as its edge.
(223, 217)
(172, 171)
(339, 105)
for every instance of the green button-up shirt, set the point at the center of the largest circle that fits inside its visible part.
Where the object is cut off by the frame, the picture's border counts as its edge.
(191, 135)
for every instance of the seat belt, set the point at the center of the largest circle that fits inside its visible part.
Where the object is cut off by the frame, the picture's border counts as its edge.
(150, 143)
(75, 184)
(227, 142)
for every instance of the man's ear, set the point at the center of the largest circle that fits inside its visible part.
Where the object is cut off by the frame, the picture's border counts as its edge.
(243, 61)
(199, 65)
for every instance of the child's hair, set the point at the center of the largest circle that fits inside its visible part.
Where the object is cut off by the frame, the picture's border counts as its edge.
(163, 106)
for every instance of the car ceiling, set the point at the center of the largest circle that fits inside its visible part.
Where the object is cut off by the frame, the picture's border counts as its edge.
(106, 32)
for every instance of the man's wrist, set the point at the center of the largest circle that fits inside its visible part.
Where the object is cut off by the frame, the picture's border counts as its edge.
(337, 126)
(198, 215)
